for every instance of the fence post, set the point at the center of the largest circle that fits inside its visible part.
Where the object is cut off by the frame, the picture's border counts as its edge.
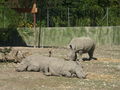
(107, 15)
(68, 17)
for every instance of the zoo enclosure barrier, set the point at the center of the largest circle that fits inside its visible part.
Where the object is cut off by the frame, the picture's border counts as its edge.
(61, 36)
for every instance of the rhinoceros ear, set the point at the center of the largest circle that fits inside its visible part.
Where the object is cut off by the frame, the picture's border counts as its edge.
(70, 47)
(78, 63)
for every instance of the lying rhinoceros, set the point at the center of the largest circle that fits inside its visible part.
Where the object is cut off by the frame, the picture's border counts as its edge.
(66, 68)
(51, 66)
(34, 62)
(81, 45)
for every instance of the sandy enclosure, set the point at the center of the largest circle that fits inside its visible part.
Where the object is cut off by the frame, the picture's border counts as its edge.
(103, 73)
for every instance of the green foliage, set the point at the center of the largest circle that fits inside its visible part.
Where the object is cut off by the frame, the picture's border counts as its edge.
(8, 17)
(81, 13)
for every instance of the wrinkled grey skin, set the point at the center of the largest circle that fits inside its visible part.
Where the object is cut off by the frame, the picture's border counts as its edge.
(66, 68)
(34, 62)
(81, 45)
(51, 66)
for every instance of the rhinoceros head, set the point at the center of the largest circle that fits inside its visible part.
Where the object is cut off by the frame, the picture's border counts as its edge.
(72, 54)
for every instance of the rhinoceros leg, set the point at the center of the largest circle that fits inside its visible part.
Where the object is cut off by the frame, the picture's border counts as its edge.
(33, 68)
(80, 73)
(79, 55)
(47, 74)
(66, 73)
(22, 67)
(90, 53)
(47, 71)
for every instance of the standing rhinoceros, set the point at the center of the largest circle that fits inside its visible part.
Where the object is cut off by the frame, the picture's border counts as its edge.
(51, 66)
(81, 45)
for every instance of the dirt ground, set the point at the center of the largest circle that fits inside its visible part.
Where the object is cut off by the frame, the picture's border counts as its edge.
(103, 73)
